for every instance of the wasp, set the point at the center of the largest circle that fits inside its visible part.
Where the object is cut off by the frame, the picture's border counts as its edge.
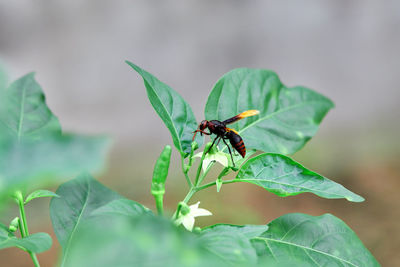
(224, 133)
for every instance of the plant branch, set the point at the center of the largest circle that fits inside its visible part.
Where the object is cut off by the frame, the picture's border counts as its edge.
(34, 259)
(213, 183)
(159, 203)
(205, 173)
(23, 225)
(185, 172)
(196, 181)
(206, 149)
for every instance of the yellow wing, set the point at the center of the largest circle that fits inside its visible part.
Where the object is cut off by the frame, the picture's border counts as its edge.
(231, 130)
(242, 115)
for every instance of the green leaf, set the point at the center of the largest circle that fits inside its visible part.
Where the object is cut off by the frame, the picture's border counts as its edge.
(231, 243)
(239, 159)
(238, 162)
(3, 77)
(121, 206)
(40, 193)
(288, 117)
(137, 241)
(23, 110)
(35, 163)
(36, 243)
(78, 199)
(284, 177)
(86, 201)
(172, 109)
(248, 231)
(312, 241)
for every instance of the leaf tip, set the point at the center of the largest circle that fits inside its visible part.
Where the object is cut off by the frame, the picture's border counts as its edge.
(331, 104)
(133, 66)
(30, 75)
(355, 198)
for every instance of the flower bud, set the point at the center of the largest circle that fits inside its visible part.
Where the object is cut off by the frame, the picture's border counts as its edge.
(197, 230)
(14, 224)
(184, 208)
(194, 145)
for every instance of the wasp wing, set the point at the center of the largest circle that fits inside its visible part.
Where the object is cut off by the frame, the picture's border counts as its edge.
(242, 115)
(232, 130)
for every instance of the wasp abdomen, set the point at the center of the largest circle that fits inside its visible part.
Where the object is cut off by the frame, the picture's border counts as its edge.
(237, 143)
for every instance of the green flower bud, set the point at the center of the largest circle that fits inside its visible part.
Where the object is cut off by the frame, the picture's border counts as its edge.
(207, 147)
(194, 145)
(14, 224)
(184, 208)
(197, 230)
(218, 183)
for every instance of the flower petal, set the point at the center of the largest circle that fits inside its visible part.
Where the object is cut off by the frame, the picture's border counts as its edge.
(194, 206)
(179, 220)
(188, 222)
(202, 212)
(219, 157)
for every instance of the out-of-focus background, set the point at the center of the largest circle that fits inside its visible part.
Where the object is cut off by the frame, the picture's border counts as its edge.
(346, 50)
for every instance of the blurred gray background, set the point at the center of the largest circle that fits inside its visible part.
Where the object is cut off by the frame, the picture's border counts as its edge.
(346, 50)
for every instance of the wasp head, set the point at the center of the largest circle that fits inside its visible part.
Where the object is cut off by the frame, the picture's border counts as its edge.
(203, 124)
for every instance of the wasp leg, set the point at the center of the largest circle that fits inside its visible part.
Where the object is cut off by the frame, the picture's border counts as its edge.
(218, 137)
(218, 142)
(201, 132)
(230, 152)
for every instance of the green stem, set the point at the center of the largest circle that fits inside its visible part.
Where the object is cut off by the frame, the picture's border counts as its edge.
(189, 195)
(21, 227)
(24, 225)
(185, 172)
(213, 183)
(196, 181)
(204, 173)
(34, 259)
(159, 203)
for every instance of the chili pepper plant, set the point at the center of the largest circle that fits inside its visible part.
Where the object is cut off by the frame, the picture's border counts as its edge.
(96, 226)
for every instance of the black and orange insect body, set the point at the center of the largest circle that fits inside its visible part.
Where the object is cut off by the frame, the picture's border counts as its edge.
(236, 142)
(224, 133)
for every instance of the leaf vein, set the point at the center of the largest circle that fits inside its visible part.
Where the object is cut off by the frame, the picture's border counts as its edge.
(277, 112)
(76, 224)
(289, 185)
(307, 248)
(21, 113)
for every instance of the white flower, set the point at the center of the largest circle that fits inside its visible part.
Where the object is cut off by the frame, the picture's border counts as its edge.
(218, 156)
(187, 220)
